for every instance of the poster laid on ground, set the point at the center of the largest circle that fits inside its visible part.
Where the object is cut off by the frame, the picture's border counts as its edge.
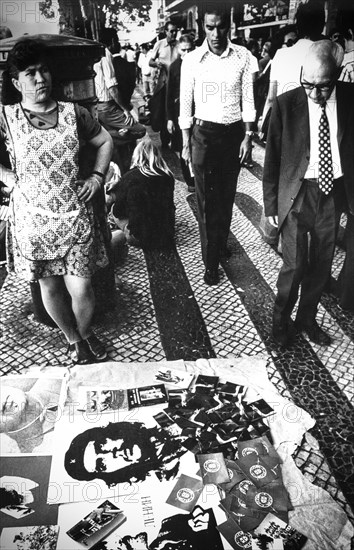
(150, 522)
(30, 408)
(22, 538)
(113, 454)
(23, 489)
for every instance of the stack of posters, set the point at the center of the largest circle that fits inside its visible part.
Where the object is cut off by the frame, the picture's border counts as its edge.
(30, 408)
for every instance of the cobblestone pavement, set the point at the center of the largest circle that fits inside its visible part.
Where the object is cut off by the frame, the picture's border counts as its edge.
(163, 310)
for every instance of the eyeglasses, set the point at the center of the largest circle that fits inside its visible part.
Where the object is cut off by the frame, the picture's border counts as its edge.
(326, 87)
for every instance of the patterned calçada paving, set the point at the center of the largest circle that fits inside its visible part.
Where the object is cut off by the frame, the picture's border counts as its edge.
(163, 309)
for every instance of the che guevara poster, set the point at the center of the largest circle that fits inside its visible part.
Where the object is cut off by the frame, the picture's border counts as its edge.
(107, 455)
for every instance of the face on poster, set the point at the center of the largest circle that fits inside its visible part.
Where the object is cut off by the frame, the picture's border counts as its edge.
(114, 454)
(30, 408)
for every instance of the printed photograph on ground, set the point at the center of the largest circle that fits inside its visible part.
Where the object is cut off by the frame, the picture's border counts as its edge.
(30, 407)
(104, 458)
(23, 491)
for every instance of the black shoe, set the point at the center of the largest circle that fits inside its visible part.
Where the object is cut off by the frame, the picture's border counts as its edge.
(80, 353)
(225, 253)
(96, 347)
(314, 332)
(283, 333)
(211, 277)
(280, 335)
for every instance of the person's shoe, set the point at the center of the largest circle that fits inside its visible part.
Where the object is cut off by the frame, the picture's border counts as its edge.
(96, 347)
(211, 277)
(314, 332)
(80, 353)
(280, 335)
(283, 332)
(191, 188)
(225, 253)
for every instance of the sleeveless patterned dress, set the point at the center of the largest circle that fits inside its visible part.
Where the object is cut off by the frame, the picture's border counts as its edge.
(51, 232)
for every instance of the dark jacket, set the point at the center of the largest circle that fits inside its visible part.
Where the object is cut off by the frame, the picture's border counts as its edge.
(147, 202)
(173, 90)
(288, 148)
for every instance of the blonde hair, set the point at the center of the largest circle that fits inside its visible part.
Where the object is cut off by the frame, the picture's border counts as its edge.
(148, 159)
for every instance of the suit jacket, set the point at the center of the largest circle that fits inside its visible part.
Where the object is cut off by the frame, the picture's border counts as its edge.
(288, 149)
(173, 90)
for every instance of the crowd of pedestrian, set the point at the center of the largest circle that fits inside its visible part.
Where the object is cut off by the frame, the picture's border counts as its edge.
(293, 90)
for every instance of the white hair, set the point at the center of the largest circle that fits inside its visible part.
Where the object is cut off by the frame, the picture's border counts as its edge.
(325, 51)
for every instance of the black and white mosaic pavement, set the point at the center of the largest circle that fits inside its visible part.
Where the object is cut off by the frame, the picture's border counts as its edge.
(163, 310)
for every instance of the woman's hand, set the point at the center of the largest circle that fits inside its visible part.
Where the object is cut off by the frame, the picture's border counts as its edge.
(8, 180)
(89, 188)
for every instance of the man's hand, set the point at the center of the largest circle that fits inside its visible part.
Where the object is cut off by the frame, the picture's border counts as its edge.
(170, 126)
(186, 153)
(245, 149)
(273, 220)
(89, 188)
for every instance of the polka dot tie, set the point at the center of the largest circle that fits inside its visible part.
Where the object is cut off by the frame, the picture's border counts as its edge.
(325, 166)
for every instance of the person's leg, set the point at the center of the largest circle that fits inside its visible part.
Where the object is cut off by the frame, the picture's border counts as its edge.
(146, 86)
(165, 136)
(53, 297)
(230, 164)
(83, 305)
(294, 254)
(345, 286)
(322, 246)
(83, 302)
(149, 86)
(207, 173)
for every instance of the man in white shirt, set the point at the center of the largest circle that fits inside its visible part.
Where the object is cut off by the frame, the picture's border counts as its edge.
(146, 70)
(307, 182)
(347, 28)
(287, 62)
(216, 79)
(114, 114)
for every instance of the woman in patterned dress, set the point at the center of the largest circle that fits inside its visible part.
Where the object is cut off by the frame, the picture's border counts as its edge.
(52, 234)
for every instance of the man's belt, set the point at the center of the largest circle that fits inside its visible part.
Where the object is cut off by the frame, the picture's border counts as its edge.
(214, 125)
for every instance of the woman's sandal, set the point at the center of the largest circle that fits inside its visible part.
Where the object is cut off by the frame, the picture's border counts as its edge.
(96, 347)
(80, 353)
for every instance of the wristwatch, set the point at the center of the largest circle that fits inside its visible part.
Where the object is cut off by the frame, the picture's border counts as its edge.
(249, 133)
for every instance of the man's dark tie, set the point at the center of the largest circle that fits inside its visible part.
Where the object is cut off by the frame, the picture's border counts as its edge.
(325, 166)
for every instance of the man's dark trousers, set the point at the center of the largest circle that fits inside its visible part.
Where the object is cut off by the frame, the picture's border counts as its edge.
(318, 215)
(216, 165)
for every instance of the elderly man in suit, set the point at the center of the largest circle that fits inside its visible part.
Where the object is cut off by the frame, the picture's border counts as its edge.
(307, 182)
